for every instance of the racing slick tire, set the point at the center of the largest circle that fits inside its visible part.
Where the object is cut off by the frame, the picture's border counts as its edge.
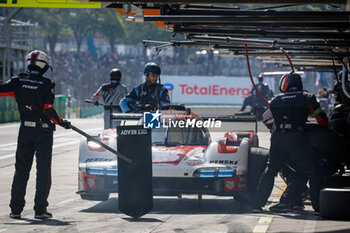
(95, 197)
(257, 160)
(334, 203)
(256, 166)
(337, 181)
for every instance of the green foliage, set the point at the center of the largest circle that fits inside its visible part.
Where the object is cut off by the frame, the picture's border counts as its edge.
(136, 32)
(110, 26)
(76, 24)
(82, 23)
(50, 23)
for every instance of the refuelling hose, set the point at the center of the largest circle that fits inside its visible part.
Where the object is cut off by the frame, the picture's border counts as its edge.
(250, 72)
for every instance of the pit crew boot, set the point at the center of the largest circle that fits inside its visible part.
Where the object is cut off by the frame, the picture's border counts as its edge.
(298, 206)
(280, 208)
(44, 215)
(15, 216)
(257, 209)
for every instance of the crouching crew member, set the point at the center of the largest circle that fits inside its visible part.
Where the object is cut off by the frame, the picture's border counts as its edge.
(289, 144)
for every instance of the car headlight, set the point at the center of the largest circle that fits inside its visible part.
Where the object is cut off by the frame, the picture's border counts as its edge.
(214, 172)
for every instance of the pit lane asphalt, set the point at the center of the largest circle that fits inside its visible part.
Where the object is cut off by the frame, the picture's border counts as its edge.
(169, 214)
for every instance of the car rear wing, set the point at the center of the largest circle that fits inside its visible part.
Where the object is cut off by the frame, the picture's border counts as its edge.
(224, 118)
(126, 116)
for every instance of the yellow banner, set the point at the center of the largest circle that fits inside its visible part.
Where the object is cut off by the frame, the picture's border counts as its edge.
(49, 3)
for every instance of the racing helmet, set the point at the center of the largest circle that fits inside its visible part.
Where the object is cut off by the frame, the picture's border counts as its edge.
(115, 74)
(38, 61)
(290, 81)
(260, 78)
(152, 68)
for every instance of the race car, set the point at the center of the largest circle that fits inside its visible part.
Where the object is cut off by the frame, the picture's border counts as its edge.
(185, 160)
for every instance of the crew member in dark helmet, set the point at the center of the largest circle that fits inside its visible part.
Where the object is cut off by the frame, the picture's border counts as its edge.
(111, 93)
(148, 94)
(35, 96)
(289, 143)
(255, 101)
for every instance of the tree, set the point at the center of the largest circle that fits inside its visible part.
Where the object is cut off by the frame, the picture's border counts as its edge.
(49, 23)
(109, 25)
(136, 32)
(82, 22)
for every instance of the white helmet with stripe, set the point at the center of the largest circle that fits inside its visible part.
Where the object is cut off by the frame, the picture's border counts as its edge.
(38, 61)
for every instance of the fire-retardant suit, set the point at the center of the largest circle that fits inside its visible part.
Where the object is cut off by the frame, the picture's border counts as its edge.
(35, 96)
(111, 93)
(289, 144)
(148, 94)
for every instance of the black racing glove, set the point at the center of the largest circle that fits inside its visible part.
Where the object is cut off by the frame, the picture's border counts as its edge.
(65, 124)
(96, 103)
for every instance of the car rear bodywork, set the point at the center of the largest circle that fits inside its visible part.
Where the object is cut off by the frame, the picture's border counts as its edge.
(184, 161)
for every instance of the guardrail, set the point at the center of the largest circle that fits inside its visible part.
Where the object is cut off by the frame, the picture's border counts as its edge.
(90, 111)
(9, 110)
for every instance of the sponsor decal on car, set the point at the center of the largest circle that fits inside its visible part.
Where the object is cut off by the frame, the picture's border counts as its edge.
(229, 184)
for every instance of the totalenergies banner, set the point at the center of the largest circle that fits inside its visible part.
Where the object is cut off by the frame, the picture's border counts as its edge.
(207, 90)
(50, 3)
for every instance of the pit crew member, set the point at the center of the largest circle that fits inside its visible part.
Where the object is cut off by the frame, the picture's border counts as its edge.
(111, 93)
(35, 96)
(150, 94)
(290, 110)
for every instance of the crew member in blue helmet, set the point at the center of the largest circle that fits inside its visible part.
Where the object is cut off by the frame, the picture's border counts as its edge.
(150, 94)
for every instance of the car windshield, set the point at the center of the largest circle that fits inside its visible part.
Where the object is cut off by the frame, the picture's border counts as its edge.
(174, 136)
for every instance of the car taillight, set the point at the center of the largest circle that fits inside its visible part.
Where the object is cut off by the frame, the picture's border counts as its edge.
(102, 171)
(214, 172)
(93, 146)
(86, 181)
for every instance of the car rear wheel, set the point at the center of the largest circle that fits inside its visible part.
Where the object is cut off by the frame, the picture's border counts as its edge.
(95, 197)
(257, 160)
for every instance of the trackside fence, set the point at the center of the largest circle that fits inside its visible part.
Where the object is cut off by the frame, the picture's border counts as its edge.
(9, 111)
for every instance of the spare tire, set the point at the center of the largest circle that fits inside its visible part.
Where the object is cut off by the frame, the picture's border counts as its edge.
(334, 203)
(328, 142)
(257, 160)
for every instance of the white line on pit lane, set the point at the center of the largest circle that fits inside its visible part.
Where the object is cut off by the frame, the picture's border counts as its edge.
(67, 201)
(54, 146)
(310, 224)
(11, 125)
(55, 136)
(2, 157)
(263, 225)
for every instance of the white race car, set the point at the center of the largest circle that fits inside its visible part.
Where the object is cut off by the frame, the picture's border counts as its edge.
(185, 161)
